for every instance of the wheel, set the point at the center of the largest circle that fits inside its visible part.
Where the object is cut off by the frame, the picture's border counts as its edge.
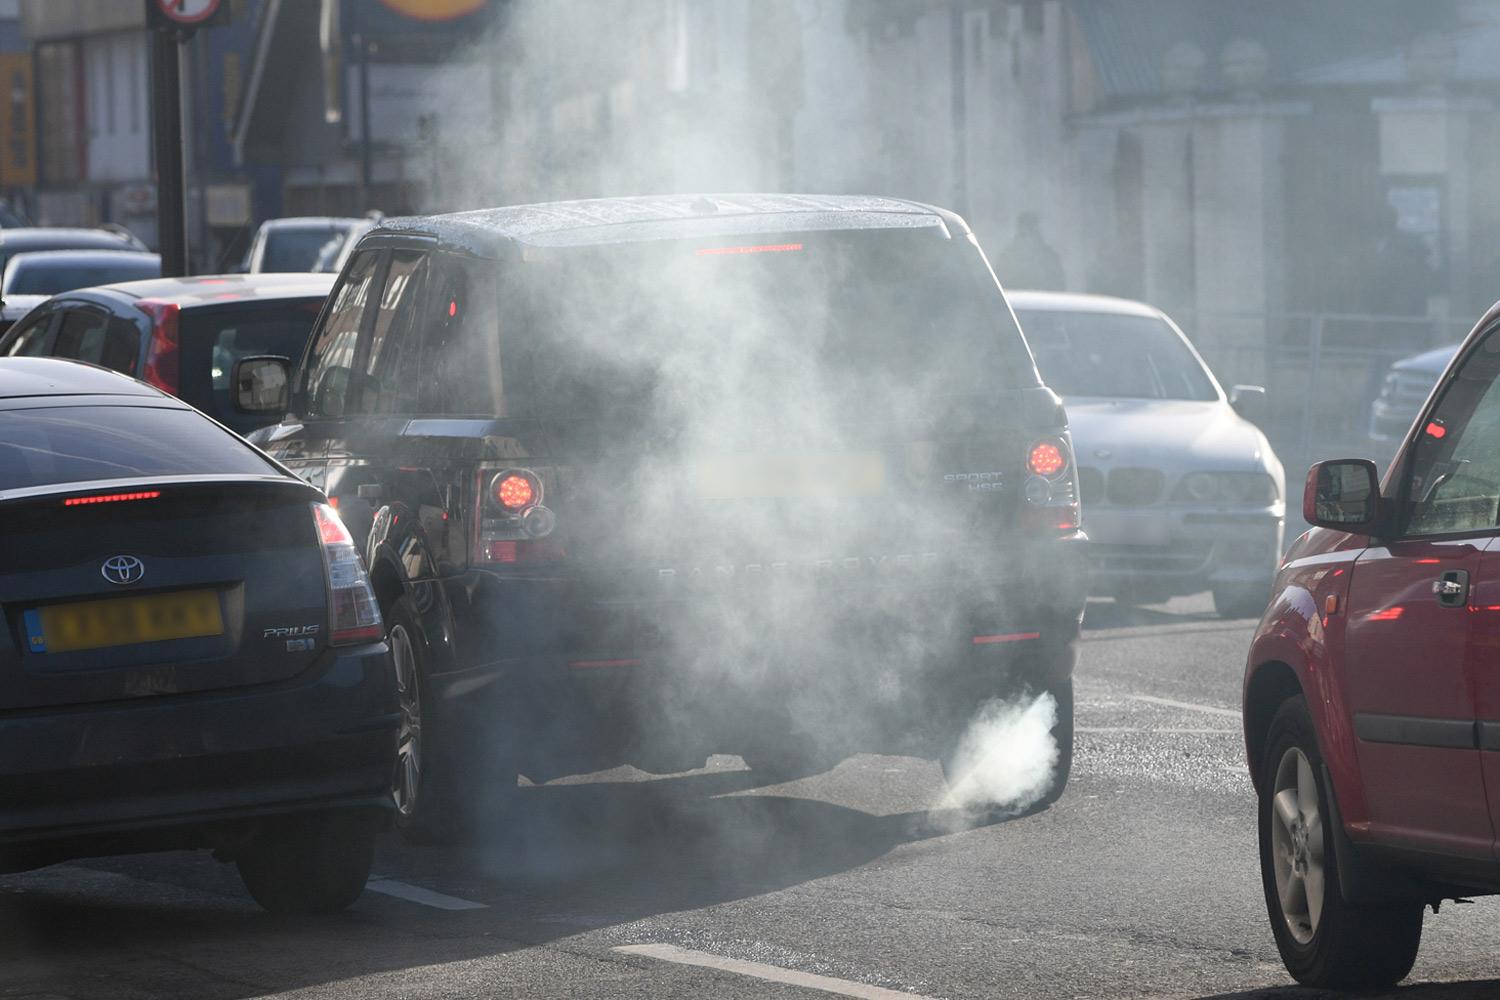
(406, 780)
(1324, 940)
(1241, 600)
(1023, 785)
(446, 781)
(310, 864)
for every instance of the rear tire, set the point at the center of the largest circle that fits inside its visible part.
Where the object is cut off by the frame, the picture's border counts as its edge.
(1241, 600)
(954, 769)
(310, 864)
(1325, 941)
(454, 781)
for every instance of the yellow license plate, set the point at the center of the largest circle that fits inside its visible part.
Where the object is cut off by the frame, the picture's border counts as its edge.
(122, 621)
(792, 476)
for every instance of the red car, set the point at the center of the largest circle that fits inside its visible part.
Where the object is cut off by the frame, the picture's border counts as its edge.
(1372, 691)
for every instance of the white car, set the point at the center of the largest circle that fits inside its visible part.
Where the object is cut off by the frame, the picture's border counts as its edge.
(1180, 492)
(33, 276)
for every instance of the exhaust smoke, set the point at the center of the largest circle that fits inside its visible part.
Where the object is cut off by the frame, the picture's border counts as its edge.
(1005, 759)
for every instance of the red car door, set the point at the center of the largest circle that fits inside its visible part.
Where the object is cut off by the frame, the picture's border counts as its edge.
(1406, 681)
(1484, 668)
(1418, 655)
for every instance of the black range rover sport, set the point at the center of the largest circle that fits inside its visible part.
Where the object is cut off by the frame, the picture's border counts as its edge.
(644, 479)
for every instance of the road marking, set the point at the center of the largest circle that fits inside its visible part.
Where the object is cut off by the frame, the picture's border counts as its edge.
(416, 894)
(1232, 713)
(1155, 731)
(769, 973)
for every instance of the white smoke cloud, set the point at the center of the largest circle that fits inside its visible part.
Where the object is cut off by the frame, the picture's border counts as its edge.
(1006, 758)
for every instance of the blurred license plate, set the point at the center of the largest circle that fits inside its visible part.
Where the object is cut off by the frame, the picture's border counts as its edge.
(828, 474)
(121, 621)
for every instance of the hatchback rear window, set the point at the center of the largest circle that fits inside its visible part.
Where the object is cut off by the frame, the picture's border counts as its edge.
(214, 339)
(55, 445)
(51, 279)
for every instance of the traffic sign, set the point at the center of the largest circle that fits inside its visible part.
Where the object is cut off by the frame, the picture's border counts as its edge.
(184, 13)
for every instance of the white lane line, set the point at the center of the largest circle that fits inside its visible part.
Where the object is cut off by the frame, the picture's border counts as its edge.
(769, 973)
(1155, 731)
(417, 894)
(1190, 706)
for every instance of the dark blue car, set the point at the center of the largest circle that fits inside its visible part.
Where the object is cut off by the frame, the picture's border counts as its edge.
(192, 654)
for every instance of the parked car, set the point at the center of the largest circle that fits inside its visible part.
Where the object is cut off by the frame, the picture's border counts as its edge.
(1371, 701)
(193, 656)
(31, 277)
(641, 479)
(295, 244)
(1404, 391)
(1181, 493)
(181, 335)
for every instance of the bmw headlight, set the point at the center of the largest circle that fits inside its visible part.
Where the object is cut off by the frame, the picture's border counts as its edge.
(1234, 488)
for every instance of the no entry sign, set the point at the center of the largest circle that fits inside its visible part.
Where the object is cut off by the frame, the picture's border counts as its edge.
(183, 13)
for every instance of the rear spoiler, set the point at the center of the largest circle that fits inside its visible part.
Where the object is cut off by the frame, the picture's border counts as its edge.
(143, 484)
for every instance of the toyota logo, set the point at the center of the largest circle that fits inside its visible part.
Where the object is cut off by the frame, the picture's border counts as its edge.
(123, 570)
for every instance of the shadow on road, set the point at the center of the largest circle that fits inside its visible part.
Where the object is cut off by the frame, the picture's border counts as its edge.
(1472, 990)
(573, 857)
(1112, 614)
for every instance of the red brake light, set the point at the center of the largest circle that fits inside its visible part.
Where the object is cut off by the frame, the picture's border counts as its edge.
(515, 491)
(162, 356)
(1436, 430)
(1046, 459)
(111, 498)
(352, 610)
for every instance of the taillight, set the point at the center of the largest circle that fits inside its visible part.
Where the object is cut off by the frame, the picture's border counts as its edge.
(516, 490)
(353, 614)
(1047, 458)
(512, 525)
(162, 355)
(1051, 493)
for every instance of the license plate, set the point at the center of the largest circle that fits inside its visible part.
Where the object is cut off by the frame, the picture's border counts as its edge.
(123, 621)
(792, 476)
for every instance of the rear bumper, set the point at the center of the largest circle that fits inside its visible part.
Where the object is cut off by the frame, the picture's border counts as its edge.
(1183, 549)
(184, 765)
(598, 683)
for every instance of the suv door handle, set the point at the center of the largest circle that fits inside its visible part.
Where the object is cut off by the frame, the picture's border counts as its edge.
(1452, 588)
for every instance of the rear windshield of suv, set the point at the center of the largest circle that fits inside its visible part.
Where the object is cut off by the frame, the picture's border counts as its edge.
(54, 445)
(806, 334)
(213, 339)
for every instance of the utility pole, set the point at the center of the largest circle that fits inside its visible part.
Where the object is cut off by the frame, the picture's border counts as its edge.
(171, 23)
(166, 129)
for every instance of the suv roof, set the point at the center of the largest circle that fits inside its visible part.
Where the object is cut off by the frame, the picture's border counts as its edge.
(222, 288)
(486, 232)
(55, 377)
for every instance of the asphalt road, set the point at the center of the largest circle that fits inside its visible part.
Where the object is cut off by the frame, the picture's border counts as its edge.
(1140, 882)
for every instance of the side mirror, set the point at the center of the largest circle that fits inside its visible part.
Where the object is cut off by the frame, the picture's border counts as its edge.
(1249, 401)
(1343, 494)
(261, 385)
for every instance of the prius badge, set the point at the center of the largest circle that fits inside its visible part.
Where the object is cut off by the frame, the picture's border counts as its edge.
(123, 570)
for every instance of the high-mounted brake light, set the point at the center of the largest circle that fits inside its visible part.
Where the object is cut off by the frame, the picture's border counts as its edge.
(768, 248)
(354, 616)
(1436, 430)
(1046, 459)
(111, 498)
(162, 359)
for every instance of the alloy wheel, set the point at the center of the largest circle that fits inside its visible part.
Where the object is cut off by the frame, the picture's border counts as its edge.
(406, 781)
(1297, 845)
